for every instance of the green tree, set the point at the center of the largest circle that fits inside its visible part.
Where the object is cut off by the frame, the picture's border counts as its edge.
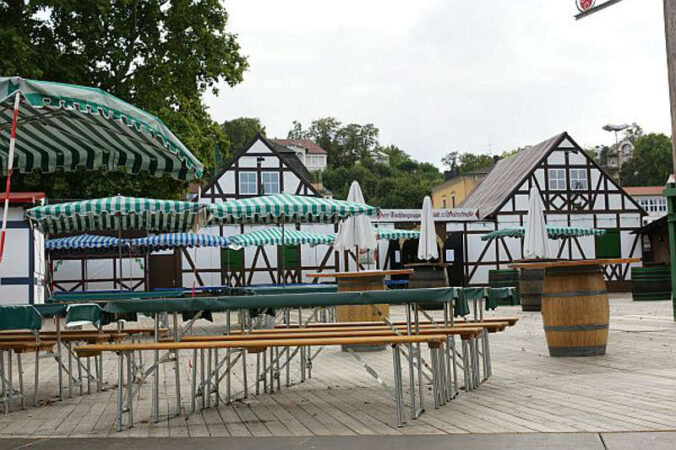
(241, 132)
(159, 55)
(651, 164)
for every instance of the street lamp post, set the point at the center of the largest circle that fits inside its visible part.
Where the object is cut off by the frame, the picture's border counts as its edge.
(616, 129)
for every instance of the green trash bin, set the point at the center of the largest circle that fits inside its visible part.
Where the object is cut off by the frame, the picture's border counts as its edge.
(652, 283)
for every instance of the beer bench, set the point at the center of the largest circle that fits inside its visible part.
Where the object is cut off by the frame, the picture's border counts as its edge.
(125, 402)
(465, 333)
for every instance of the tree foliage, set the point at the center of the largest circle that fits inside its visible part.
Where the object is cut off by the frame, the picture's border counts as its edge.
(345, 144)
(466, 162)
(241, 131)
(402, 183)
(159, 55)
(651, 164)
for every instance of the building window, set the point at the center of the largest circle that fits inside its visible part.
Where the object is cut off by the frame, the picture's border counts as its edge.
(654, 204)
(315, 160)
(270, 182)
(578, 179)
(443, 203)
(248, 183)
(557, 179)
(453, 201)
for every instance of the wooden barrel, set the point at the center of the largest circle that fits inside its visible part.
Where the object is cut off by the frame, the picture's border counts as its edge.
(360, 313)
(505, 278)
(651, 283)
(428, 276)
(531, 282)
(575, 311)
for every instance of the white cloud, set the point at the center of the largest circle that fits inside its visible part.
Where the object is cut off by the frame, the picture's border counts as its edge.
(436, 76)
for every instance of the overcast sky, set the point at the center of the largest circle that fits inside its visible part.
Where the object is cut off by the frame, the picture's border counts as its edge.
(450, 75)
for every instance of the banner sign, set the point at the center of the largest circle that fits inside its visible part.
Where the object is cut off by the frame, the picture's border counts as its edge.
(413, 215)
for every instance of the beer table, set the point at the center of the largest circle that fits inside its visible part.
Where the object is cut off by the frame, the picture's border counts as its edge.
(575, 310)
(365, 280)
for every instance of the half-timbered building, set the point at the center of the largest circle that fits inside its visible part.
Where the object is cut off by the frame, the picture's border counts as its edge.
(264, 167)
(576, 192)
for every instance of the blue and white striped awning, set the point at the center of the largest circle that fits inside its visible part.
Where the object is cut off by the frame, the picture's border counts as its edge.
(83, 241)
(172, 240)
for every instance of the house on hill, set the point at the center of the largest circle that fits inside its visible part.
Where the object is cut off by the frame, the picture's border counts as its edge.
(456, 187)
(576, 192)
(308, 152)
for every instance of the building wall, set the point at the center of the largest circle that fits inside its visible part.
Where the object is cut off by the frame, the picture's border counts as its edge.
(22, 271)
(597, 203)
(452, 192)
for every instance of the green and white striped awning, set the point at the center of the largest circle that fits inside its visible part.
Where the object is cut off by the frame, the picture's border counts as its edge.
(273, 236)
(286, 208)
(115, 213)
(393, 235)
(553, 232)
(66, 127)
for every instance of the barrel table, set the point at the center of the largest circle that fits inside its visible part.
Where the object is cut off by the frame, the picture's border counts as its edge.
(366, 280)
(428, 275)
(531, 284)
(575, 310)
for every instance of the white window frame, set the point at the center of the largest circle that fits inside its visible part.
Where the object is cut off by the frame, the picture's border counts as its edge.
(557, 179)
(578, 176)
(272, 180)
(246, 183)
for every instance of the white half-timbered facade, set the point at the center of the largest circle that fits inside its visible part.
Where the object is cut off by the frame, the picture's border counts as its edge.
(264, 167)
(576, 192)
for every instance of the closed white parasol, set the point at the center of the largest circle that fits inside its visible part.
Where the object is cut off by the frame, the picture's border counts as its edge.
(536, 243)
(355, 231)
(427, 242)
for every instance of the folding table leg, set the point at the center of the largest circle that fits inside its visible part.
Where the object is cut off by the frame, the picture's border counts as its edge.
(193, 383)
(2, 379)
(70, 371)
(20, 367)
(89, 376)
(120, 388)
(177, 366)
(11, 384)
(244, 377)
(396, 361)
(130, 386)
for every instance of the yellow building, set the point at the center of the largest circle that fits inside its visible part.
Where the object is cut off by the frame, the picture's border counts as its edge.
(453, 191)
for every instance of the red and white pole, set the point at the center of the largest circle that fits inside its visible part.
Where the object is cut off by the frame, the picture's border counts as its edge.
(10, 165)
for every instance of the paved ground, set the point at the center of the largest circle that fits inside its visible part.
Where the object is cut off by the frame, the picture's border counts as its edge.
(631, 389)
(576, 441)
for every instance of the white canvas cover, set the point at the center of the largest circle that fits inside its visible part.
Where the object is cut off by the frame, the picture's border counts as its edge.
(427, 242)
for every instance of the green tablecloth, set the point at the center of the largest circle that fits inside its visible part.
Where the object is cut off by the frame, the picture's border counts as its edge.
(20, 317)
(291, 289)
(71, 297)
(436, 295)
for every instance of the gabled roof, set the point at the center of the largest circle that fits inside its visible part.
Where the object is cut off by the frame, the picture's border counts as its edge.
(644, 190)
(285, 154)
(310, 146)
(507, 175)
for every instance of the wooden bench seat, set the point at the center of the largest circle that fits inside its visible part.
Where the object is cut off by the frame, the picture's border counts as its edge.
(53, 333)
(91, 338)
(27, 346)
(464, 333)
(491, 327)
(511, 321)
(433, 340)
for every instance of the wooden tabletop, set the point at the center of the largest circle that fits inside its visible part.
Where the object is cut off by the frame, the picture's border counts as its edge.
(362, 273)
(576, 263)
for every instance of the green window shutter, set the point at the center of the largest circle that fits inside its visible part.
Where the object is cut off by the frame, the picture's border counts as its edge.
(232, 260)
(291, 256)
(609, 245)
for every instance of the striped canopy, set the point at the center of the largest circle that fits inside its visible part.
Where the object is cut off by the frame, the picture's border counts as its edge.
(393, 235)
(83, 241)
(286, 208)
(187, 240)
(273, 236)
(66, 127)
(554, 232)
(115, 213)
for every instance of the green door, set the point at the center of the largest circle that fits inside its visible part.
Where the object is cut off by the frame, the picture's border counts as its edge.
(609, 245)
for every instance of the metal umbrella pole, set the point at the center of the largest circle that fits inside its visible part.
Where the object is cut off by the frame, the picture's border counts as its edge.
(10, 164)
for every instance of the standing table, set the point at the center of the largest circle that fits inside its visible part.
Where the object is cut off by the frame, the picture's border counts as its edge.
(575, 310)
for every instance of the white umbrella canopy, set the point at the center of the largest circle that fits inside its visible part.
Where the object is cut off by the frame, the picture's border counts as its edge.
(536, 243)
(427, 242)
(355, 231)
